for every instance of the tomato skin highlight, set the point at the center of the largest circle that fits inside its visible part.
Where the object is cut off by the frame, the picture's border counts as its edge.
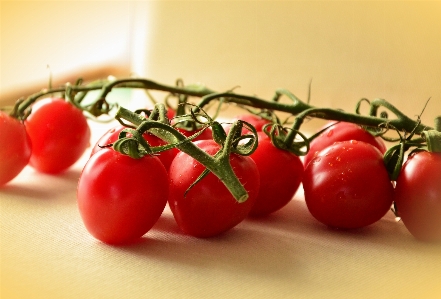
(347, 185)
(121, 198)
(418, 195)
(342, 131)
(166, 157)
(59, 133)
(209, 209)
(280, 172)
(15, 149)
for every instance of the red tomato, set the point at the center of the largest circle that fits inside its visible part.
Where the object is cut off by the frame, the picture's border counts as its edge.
(121, 198)
(15, 149)
(347, 185)
(59, 134)
(170, 113)
(342, 131)
(280, 176)
(111, 136)
(418, 195)
(208, 208)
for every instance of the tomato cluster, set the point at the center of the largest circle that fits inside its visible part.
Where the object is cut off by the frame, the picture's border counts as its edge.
(345, 180)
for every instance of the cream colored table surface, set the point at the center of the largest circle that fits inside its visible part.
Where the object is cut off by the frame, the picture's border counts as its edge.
(46, 252)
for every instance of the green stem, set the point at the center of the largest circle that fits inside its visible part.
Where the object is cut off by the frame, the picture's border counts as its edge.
(220, 165)
(303, 110)
(433, 139)
(401, 123)
(22, 110)
(405, 123)
(229, 97)
(22, 107)
(438, 123)
(192, 90)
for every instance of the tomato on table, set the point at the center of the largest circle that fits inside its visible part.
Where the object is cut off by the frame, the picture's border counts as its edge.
(208, 208)
(59, 134)
(347, 185)
(280, 176)
(15, 149)
(121, 198)
(342, 131)
(418, 195)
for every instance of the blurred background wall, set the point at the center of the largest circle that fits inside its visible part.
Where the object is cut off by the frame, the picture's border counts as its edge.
(349, 49)
(73, 38)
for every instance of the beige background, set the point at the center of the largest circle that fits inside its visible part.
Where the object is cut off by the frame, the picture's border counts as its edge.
(349, 49)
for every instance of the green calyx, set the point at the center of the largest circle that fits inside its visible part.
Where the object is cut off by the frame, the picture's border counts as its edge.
(218, 164)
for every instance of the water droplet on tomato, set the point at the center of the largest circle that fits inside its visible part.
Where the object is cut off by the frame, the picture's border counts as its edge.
(317, 160)
(338, 158)
(330, 164)
(341, 195)
(330, 133)
(354, 141)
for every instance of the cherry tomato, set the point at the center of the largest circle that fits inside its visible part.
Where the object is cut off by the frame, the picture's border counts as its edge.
(208, 208)
(170, 113)
(15, 149)
(347, 185)
(418, 195)
(59, 134)
(121, 198)
(111, 136)
(342, 131)
(280, 176)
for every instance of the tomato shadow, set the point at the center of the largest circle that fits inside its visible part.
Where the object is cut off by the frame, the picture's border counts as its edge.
(33, 185)
(71, 175)
(296, 221)
(288, 245)
(241, 250)
(15, 190)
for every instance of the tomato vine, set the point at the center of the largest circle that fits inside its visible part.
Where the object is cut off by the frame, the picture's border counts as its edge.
(190, 122)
